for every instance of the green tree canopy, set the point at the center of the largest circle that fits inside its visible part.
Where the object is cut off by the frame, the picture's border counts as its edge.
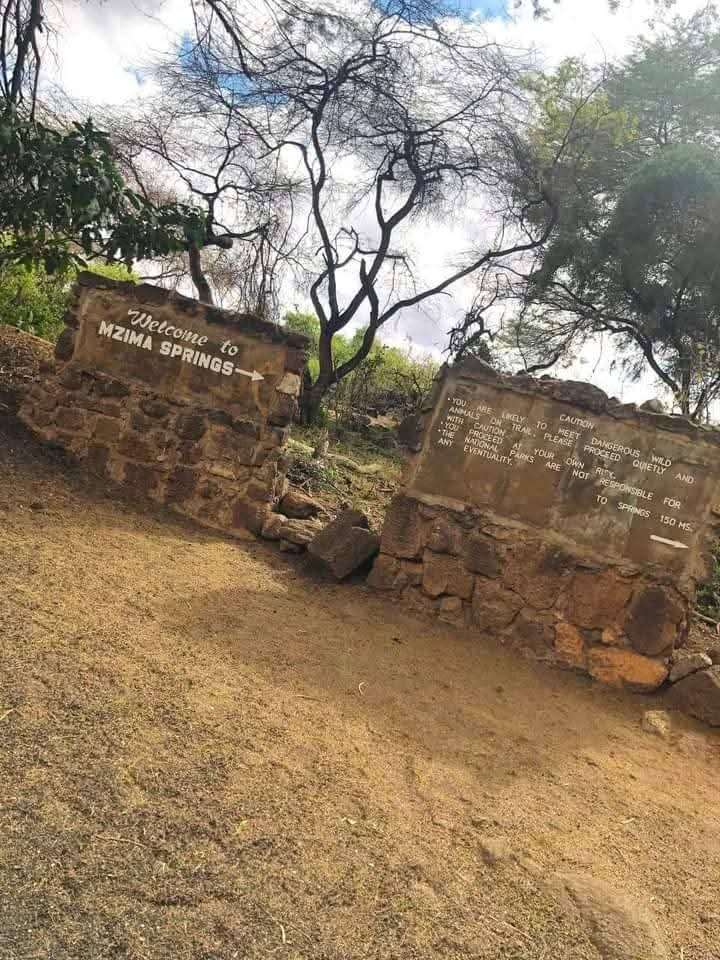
(63, 200)
(638, 191)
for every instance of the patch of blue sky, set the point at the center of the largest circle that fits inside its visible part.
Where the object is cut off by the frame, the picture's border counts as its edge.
(475, 9)
(234, 82)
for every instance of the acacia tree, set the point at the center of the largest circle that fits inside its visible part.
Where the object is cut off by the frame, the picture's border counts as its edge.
(392, 119)
(633, 251)
(175, 150)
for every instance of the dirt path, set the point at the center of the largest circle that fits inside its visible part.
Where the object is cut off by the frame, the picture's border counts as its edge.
(206, 754)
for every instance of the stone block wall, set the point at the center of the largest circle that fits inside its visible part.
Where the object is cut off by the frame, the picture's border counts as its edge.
(207, 444)
(530, 511)
(543, 598)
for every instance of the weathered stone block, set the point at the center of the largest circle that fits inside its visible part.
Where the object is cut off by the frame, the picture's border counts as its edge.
(38, 417)
(532, 633)
(70, 377)
(420, 602)
(481, 555)
(109, 387)
(452, 611)
(46, 399)
(410, 432)
(97, 458)
(272, 527)
(296, 359)
(136, 448)
(107, 429)
(181, 485)
(73, 419)
(299, 506)
(402, 530)
(283, 410)
(412, 571)
(536, 572)
(625, 668)
(142, 478)
(687, 664)
(141, 423)
(342, 547)
(249, 514)
(190, 426)
(260, 490)
(109, 408)
(155, 407)
(444, 573)
(597, 599)
(386, 574)
(654, 619)
(493, 606)
(569, 646)
(231, 447)
(290, 384)
(227, 471)
(699, 695)
(444, 536)
(249, 428)
(301, 532)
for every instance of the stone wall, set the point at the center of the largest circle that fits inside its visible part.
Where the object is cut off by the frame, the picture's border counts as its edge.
(572, 526)
(176, 400)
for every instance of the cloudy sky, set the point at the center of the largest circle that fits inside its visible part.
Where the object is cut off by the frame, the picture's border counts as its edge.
(103, 45)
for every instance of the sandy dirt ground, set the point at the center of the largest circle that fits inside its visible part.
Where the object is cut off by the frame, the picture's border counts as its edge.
(207, 753)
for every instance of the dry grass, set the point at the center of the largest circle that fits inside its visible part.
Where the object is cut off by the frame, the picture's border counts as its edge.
(190, 769)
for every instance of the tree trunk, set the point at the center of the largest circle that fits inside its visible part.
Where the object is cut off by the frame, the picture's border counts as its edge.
(198, 276)
(311, 401)
(314, 393)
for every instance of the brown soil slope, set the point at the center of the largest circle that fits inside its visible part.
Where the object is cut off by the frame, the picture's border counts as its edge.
(205, 753)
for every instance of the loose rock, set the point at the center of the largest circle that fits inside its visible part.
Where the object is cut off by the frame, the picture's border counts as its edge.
(298, 506)
(273, 526)
(699, 695)
(688, 664)
(345, 544)
(287, 547)
(657, 722)
(300, 532)
(714, 654)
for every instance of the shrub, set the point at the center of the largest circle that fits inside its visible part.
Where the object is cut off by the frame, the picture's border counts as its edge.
(34, 300)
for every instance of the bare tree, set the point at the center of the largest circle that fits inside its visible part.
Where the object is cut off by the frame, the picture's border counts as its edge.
(179, 148)
(391, 117)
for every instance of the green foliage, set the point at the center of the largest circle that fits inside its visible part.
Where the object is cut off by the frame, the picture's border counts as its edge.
(708, 594)
(637, 191)
(114, 271)
(63, 199)
(35, 301)
(389, 378)
(309, 326)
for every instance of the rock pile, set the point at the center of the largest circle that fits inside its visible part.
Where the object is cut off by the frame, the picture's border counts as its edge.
(339, 548)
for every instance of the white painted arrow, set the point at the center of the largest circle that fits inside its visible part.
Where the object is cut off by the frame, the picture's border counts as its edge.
(670, 543)
(253, 374)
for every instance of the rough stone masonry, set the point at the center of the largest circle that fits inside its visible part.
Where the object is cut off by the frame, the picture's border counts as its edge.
(174, 399)
(572, 525)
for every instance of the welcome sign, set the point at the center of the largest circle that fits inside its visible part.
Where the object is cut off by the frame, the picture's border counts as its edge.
(177, 346)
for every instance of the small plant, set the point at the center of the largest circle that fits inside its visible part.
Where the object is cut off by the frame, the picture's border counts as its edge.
(708, 594)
